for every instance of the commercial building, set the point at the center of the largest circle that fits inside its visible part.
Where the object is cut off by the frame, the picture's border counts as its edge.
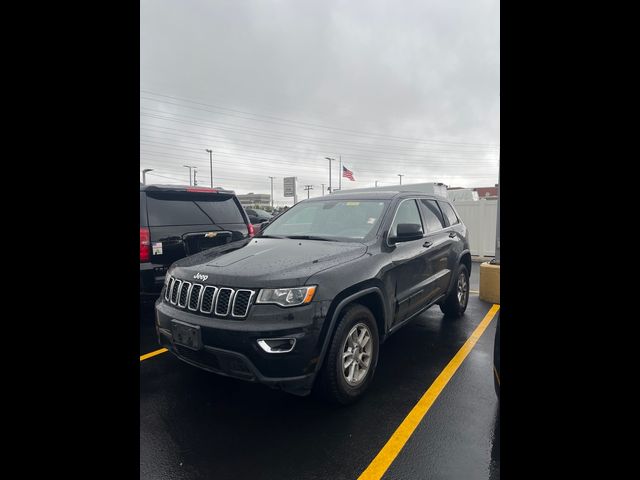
(488, 192)
(257, 199)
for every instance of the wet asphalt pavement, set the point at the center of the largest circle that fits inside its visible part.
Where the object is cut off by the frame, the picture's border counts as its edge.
(197, 425)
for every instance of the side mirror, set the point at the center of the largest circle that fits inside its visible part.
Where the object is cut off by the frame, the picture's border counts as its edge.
(406, 232)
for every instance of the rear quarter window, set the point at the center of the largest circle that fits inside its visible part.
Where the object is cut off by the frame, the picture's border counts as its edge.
(449, 213)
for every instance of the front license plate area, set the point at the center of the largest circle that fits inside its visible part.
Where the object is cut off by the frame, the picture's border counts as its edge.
(186, 335)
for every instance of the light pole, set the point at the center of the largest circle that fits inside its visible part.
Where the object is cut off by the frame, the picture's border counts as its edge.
(189, 167)
(144, 175)
(401, 175)
(376, 183)
(210, 163)
(272, 192)
(330, 160)
(340, 173)
(195, 180)
(323, 184)
(308, 188)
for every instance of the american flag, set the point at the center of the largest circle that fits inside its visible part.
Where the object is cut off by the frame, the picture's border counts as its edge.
(347, 173)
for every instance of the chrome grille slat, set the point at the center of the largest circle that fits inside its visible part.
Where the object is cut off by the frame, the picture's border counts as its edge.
(175, 291)
(185, 291)
(205, 301)
(241, 302)
(222, 298)
(167, 291)
(195, 294)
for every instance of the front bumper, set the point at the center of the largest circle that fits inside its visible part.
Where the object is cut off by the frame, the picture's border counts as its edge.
(230, 347)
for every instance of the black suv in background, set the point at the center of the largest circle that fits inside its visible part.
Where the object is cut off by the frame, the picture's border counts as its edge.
(177, 221)
(258, 216)
(307, 302)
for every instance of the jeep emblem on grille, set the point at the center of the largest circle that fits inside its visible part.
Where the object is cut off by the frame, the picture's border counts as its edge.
(199, 276)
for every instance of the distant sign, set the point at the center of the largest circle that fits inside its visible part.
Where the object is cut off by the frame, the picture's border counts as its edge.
(290, 186)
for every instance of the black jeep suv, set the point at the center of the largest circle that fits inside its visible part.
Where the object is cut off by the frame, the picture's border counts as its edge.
(307, 302)
(177, 221)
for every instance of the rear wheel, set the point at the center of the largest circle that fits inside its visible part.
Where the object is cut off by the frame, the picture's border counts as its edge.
(352, 356)
(456, 302)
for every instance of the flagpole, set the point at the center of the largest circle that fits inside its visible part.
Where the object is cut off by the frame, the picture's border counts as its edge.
(340, 181)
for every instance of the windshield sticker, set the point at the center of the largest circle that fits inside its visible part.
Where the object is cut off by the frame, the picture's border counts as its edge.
(352, 204)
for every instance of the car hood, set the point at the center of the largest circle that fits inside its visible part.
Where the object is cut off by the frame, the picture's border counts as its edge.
(266, 262)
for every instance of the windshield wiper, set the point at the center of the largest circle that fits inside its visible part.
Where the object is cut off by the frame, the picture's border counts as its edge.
(268, 236)
(310, 237)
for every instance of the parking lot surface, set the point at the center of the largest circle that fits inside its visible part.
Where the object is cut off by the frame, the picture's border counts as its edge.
(197, 425)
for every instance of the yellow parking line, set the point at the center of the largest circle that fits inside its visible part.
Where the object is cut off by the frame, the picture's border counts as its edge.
(474, 291)
(394, 445)
(152, 354)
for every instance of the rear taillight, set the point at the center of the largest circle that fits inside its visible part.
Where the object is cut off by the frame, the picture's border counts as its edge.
(252, 231)
(145, 245)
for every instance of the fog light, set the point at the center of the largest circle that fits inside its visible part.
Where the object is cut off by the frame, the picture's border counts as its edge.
(277, 345)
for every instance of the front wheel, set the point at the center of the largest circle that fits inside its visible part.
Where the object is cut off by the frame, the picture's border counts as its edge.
(456, 302)
(352, 356)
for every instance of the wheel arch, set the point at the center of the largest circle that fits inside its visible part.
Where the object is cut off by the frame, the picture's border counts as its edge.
(371, 296)
(465, 259)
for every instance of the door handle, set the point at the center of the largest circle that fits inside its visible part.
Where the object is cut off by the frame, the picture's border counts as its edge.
(452, 234)
(427, 244)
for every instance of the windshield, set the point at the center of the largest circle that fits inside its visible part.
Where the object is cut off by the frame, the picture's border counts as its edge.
(340, 220)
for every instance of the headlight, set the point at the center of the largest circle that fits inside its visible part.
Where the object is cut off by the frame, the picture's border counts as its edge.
(287, 297)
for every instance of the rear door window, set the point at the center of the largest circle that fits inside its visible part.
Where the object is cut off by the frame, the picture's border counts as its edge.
(449, 213)
(432, 215)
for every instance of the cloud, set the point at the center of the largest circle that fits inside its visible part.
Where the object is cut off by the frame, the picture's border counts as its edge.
(377, 73)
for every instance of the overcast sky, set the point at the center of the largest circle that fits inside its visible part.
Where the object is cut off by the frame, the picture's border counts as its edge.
(274, 87)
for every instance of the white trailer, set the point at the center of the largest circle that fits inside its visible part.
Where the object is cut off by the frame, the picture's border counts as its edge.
(463, 195)
(431, 188)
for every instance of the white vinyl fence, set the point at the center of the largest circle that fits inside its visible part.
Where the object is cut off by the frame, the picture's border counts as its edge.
(480, 218)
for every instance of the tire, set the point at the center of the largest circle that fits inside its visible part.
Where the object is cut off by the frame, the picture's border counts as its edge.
(454, 305)
(332, 382)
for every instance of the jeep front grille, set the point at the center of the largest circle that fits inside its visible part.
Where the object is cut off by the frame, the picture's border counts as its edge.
(207, 299)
